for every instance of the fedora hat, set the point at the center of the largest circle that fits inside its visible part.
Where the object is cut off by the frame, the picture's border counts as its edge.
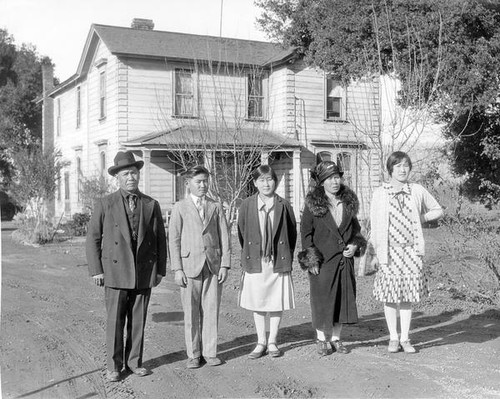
(124, 159)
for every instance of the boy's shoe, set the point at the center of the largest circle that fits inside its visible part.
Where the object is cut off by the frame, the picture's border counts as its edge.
(193, 363)
(213, 361)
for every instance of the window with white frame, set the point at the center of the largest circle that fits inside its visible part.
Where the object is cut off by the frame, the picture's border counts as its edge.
(102, 94)
(102, 156)
(184, 96)
(78, 106)
(255, 90)
(58, 117)
(335, 100)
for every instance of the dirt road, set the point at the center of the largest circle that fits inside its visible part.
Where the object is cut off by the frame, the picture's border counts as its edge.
(52, 343)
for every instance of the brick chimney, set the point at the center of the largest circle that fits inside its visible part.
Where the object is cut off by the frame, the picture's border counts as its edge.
(142, 24)
(47, 104)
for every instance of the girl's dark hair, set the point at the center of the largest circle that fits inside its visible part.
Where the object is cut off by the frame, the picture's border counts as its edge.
(264, 170)
(395, 158)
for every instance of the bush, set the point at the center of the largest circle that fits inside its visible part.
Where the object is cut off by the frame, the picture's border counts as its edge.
(474, 246)
(33, 230)
(79, 224)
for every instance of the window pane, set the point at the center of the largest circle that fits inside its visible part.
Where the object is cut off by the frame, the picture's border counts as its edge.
(255, 108)
(184, 98)
(333, 107)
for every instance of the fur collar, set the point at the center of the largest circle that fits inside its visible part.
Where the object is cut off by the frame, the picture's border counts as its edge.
(317, 202)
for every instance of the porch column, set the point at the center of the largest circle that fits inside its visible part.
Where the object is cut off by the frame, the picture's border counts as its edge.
(146, 175)
(264, 158)
(297, 183)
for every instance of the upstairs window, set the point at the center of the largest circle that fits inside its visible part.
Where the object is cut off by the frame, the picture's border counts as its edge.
(78, 107)
(184, 97)
(102, 95)
(255, 108)
(335, 100)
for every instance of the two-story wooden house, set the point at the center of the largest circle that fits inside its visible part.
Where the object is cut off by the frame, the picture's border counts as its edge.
(161, 94)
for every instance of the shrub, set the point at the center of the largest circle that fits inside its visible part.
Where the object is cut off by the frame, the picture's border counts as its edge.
(78, 225)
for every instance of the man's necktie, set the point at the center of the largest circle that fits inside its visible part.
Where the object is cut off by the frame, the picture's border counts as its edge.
(267, 247)
(199, 206)
(132, 202)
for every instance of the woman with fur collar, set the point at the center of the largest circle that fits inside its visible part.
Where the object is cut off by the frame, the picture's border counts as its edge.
(331, 237)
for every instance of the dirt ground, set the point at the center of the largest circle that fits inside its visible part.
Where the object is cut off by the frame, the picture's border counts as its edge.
(52, 342)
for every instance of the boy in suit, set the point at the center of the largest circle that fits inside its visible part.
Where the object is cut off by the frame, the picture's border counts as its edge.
(126, 253)
(200, 257)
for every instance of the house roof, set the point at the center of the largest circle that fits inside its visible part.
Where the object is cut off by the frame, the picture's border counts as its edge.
(184, 46)
(154, 44)
(202, 136)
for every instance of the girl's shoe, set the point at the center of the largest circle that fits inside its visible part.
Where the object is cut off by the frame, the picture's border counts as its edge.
(338, 346)
(259, 350)
(393, 346)
(322, 348)
(274, 353)
(407, 347)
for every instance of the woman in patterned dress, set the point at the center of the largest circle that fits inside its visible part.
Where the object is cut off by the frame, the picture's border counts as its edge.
(398, 209)
(329, 227)
(267, 233)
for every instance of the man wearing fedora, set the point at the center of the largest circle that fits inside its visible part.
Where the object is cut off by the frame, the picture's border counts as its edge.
(126, 253)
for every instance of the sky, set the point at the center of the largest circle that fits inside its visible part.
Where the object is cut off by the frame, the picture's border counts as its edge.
(59, 28)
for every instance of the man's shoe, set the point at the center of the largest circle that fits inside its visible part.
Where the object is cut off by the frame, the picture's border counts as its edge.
(407, 347)
(258, 352)
(113, 376)
(393, 346)
(142, 372)
(322, 348)
(193, 363)
(213, 361)
(338, 346)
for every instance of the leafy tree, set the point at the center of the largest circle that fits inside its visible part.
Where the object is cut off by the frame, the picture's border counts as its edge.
(20, 113)
(444, 53)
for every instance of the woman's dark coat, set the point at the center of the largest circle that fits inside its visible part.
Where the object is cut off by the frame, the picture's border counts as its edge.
(284, 235)
(333, 290)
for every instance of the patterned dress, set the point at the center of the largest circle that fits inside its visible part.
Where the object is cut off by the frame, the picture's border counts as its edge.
(402, 279)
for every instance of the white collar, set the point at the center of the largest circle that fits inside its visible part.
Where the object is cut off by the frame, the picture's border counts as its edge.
(195, 198)
(268, 203)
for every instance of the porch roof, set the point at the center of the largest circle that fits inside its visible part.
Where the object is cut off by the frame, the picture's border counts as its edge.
(196, 136)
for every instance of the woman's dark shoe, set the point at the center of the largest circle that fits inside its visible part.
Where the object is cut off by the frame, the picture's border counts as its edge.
(322, 348)
(274, 352)
(338, 346)
(259, 350)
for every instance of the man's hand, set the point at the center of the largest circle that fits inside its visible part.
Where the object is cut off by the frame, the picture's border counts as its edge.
(223, 272)
(99, 279)
(180, 278)
(158, 279)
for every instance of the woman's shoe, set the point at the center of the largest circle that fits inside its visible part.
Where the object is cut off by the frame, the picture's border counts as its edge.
(338, 346)
(393, 346)
(407, 346)
(322, 348)
(259, 350)
(274, 353)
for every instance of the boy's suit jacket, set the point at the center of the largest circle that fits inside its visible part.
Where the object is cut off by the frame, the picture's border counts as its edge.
(109, 248)
(192, 242)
